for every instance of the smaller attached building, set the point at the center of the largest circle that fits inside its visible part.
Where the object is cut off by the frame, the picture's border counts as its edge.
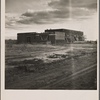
(26, 37)
(33, 37)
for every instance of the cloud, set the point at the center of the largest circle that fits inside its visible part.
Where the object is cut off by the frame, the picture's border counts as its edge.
(63, 4)
(88, 4)
(77, 8)
(62, 10)
(10, 20)
(43, 17)
(20, 6)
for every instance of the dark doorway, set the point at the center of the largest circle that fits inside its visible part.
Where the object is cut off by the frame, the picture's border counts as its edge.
(28, 39)
(52, 38)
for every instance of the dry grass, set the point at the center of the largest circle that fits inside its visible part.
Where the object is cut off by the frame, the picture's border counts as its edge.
(33, 73)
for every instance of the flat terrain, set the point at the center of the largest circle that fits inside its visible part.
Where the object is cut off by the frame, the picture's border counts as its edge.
(40, 66)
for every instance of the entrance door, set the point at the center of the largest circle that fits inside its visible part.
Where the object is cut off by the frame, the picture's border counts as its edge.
(28, 39)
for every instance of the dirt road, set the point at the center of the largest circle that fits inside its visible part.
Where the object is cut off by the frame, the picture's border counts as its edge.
(60, 84)
(74, 73)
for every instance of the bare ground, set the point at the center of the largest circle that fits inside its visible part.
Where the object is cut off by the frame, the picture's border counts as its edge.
(77, 71)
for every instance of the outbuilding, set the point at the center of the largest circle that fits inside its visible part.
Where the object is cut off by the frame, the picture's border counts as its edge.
(28, 37)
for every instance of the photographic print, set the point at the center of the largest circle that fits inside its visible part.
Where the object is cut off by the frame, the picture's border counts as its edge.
(51, 44)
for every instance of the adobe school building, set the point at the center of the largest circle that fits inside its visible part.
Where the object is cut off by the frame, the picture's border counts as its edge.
(52, 36)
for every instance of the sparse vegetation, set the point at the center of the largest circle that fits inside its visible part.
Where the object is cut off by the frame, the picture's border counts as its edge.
(43, 66)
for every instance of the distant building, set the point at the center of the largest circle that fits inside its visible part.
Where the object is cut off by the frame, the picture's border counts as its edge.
(52, 36)
(66, 35)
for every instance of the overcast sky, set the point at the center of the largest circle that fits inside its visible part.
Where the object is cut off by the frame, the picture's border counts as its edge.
(38, 15)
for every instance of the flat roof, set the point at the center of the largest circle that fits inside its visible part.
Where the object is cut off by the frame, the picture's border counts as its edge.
(62, 30)
(27, 33)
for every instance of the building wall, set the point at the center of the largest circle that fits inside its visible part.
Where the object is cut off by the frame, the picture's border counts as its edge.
(44, 37)
(52, 38)
(67, 35)
(35, 38)
(25, 38)
(60, 35)
(74, 35)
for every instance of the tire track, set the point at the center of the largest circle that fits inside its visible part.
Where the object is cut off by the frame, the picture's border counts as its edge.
(73, 76)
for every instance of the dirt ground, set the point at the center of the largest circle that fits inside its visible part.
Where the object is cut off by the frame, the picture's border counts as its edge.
(41, 66)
